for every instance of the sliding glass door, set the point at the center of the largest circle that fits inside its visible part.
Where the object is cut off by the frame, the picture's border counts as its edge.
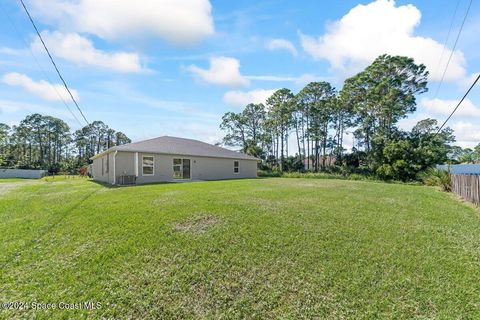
(181, 168)
(186, 168)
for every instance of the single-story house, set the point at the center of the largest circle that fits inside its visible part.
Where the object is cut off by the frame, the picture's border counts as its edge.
(170, 159)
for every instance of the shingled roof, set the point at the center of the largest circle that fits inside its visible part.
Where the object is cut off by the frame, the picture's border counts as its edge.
(180, 146)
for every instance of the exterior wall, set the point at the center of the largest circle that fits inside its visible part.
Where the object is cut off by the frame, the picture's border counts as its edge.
(107, 174)
(201, 168)
(124, 163)
(111, 172)
(220, 168)
(22, 173)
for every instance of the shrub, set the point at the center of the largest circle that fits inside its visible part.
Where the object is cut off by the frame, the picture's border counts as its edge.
(270, 174)
(83, 171)
(316, 175)
(438, 178)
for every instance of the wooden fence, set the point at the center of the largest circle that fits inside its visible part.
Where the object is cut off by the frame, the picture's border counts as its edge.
(467, 186)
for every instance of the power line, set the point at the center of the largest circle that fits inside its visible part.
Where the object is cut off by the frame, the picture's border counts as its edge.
(39, 65)
(53, 62)
(458, 105)
(453, 49)
(448, 35)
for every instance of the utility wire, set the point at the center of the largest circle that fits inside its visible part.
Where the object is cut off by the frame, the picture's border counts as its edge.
(448, 36)
(53, 62)
(39, 65)
(458, 105)
(453, 49)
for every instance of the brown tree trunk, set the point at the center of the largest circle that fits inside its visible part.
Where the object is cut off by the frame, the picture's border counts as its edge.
(281, 152)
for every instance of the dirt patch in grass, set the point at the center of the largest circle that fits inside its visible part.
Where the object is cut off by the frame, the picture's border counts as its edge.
(162, 201)
(8, 187)
(265, 204)
(197, 225)
(169, 197)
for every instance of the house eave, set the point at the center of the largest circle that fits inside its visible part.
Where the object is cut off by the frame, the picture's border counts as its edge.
(103, 153)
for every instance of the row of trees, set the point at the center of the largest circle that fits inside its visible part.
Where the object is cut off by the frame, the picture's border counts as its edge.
(369, 106)
(46, 142)
(265, 131)
(466, 155)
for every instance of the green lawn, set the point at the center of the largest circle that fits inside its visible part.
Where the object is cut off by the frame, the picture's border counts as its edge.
(265, 248)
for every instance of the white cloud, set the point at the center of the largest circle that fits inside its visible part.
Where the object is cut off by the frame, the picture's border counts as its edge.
(272, 78)
(182, 22)
(242, 98)
(281, 44)
(80, 50)
(468, 81)
(467, 134)
(11, 51)
(222, 71)
(408, 123)
(22, 109)
(300, 80)
(42, 88)
(368, 31)
(307, 78)
(445, 107)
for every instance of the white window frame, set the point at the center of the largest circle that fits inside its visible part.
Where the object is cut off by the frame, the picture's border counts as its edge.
(181, 166)
(236, 166)
(153, 166)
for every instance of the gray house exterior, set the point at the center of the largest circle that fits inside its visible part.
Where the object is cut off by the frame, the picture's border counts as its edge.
(169, 159)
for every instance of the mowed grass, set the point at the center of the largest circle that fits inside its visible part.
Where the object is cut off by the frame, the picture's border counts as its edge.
(264, 248)
(5, 180)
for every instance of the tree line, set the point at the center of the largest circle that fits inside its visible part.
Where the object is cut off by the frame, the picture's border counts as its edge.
(466, 155)
(46, 142)
(318, 117)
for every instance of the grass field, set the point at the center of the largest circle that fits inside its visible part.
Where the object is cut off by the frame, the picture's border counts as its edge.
(266, 248)
(5, 180)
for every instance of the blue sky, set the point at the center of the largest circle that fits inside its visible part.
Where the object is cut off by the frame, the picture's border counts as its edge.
(175, 67)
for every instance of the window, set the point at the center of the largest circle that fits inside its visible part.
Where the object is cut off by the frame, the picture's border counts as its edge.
(236, 166)
(108, 164)
(147, 165)
(103, 170)
(181, 168)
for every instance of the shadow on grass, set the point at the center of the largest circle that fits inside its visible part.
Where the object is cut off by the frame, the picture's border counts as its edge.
(58, 178)
(105, 184)
(111, 186)
(42, 232)
(116, 186)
